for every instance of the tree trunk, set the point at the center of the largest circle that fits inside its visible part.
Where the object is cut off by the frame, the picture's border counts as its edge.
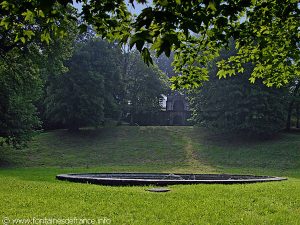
(73, 128)
(297, 114)
(291, 105)
(119, 122)
(131, 118)
(289, 117)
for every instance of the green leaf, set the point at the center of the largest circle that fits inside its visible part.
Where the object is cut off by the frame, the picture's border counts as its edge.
(28, 33)
(241, 70)
(163, 2)
(252, 80)
(133, 40)
(41, 13)
(221, 74)
(212, 6)
(139, 39)
(45, 37)
(29, 15)
(146, 56)
(157, 44)
(4, 22)
(23, 40)
(16, 38)
(5, 5)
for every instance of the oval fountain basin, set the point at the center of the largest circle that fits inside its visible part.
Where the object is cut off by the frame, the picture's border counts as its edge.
(162, 179)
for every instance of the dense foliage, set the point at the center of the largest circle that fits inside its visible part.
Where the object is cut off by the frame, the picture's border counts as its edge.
(77, 97)
(102, 82)
(233, 104)
(144, 86)
(266, 32)
(36, 38)
(73, 83)
(23, 74)
(20, 86)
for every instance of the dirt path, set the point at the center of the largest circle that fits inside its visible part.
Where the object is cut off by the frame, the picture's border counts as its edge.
(189, 152)
(194, 161)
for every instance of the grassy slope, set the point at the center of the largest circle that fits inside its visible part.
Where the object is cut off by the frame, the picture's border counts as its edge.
(34, 192)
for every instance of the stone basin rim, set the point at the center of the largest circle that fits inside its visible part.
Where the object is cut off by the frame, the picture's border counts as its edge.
(123, 179)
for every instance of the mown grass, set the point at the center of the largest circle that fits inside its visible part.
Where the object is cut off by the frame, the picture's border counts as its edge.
(117, 145)
(28, 187)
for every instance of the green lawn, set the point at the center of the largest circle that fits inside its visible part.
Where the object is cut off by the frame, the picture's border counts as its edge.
(28, 188)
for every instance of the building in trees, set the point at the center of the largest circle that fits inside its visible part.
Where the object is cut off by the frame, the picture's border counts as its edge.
(174, 112)
(177, 109)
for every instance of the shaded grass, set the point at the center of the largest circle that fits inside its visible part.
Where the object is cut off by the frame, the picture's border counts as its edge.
(118, 145)
(34, 191)
(279, 156)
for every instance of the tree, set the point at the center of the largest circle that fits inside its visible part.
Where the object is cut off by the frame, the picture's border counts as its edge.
(52, 65)
(235, 105)
(40, 22)
(20, 87)
(143, 87)
(79, 97)
(114, 85)
(266, 32)
(24, 70)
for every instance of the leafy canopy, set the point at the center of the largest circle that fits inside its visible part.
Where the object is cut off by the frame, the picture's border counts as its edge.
(266, 32)
(23, 74)
(79, 97)
(236, 105)
(18, 116)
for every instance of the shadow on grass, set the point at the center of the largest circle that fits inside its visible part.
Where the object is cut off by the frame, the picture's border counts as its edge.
(276, 155)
